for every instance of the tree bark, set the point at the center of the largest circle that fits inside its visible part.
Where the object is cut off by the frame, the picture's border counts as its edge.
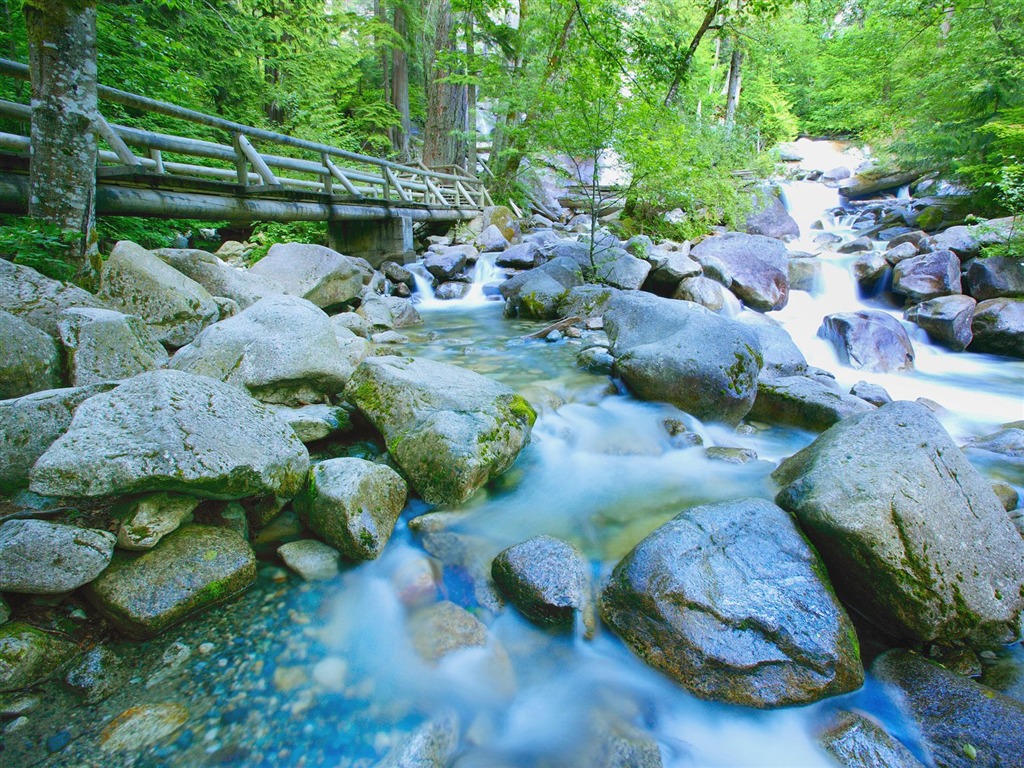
(683, 68)
(471, 94)
(62, 174)
(735, 83)
(445, 134)
(400, 87)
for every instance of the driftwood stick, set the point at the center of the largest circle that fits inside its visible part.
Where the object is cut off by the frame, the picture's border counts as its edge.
(561, 325)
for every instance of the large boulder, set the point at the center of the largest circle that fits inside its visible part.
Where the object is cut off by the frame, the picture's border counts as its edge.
(729, 600)
(869, 339)
(995, 277)
(384, 313)
(220, 279)
(680, 353)
(924, 277)
(964, 241)
(619, 269)
(29, 358)
(526, 255)
(491, 239)
(546, 579)
(37, 299)
(450, 430)
(668, 269)
(31, 423)
(537, 293)
(780, 355)
(104, 345)
(190, 569)
(282, 349)
(854, 741)
(353, 505)
(586, 301)
(175, 307)
(701, 290)
(173, 431)
(771, 219)
(803, 402)
(757, 265)
(962, 724)
(998, 327)
(889, 501)
(42, 558)
(947, 320)
(446, 264)
(312, 272)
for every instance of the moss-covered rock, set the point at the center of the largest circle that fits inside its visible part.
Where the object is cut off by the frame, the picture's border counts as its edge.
(29, 655)
(190, 569)
(29, 358)
(450, 430)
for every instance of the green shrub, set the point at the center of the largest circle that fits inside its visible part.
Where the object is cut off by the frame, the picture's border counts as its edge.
(265, 234)
(36, 244)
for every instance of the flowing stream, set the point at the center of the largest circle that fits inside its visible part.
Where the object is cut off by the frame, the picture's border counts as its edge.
(325, 673)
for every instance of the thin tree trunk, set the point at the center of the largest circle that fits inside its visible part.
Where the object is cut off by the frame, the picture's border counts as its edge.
(445, 134)
(471, 93)
(735, 84)
(385, 71)
(683, 68)
(400, 86)
(62, 176)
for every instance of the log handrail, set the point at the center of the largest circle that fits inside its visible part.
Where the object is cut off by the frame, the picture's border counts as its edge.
(411, 184)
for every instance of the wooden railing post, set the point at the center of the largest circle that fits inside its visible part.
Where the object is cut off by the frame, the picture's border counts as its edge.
(241, 166)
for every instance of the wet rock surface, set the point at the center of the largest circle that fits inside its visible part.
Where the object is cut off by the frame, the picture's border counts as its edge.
(854, 741)
(727, 600)
(869, 339)
(29, 358)
(757, 266)
(42, 558)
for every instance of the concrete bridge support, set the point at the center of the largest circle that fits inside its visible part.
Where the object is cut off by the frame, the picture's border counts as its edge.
(376, 240)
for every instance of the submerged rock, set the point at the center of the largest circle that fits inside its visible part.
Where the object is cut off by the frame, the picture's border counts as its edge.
(191, 569)
(352, 504)
(139, 728)
(98, 674)
(889, 501)
(680, 353)
(176, 308)
(963, 724)
(31, 424)
(165, 431)
(546, 579)
(282, 350)
(311, 559)
(29, 358)
(728, 600)
(758, 267)
(42, 558)
(29, 655)
(104, 345)
(431, 745)
(869, 339)
(449, 429)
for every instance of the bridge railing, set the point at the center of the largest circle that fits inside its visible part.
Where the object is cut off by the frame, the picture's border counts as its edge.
(328, 170)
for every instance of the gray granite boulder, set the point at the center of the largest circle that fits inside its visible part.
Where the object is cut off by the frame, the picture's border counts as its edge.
(312, 272)
(998, 327)
(780, 355)
(165, 431)
(491, 240)
(174, 306)
(947, 320)
(889, 501)
(282, 350)
(547, 580)
(615, 267)
(104, 345)
(29, 358)
(962, 724)
(680, 353)
(869, 339)
(586, 301)
(526, 255)
(42, 558)
(446, 264)
(771, 219)
(871, 271)
(668, 269)
(803, 402)
(450, 430)
(758, 267)
(995, 277)
(191, 569)
(902, 252)
(701, 290)
(924, 277)
(538, 293)
(964, 241)
(314, 422)
(353, 505)
(31, 423)
(37, 299)
(220, 279)
(730, 601)
(853, 741)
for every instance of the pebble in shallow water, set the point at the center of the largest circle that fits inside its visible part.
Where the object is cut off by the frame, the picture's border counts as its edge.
(141, 727)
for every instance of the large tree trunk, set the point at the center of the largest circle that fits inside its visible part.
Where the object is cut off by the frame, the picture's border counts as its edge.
(400, 87)
(62, 180)
(471, 93)
(445, 135)
(735, 83)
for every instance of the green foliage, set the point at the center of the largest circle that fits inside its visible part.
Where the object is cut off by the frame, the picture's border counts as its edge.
(149, 233)
(267, 233)
(39, 245)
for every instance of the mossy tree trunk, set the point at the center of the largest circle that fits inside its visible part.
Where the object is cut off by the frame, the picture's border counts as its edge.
(444, 140)
(62, 181)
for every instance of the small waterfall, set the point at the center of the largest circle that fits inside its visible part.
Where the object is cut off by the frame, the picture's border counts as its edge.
(483, 273)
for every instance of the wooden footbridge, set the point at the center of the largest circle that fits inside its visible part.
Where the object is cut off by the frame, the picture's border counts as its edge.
(369, 203)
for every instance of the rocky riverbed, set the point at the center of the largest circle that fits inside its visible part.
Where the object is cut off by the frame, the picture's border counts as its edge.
(287, 515)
